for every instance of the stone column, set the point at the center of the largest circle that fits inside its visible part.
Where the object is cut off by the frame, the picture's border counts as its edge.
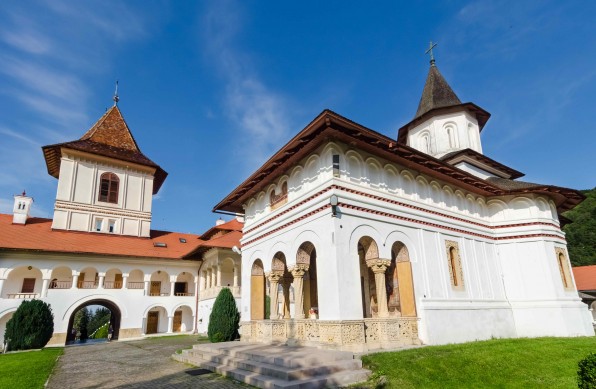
(218, 276)
(236, 274)
(124, 281)
(75, 281)
(44, 287)
(170, 324)
(101, 278)
(298, 273)
(285, 284)
(147, 288)
(274, 278)
(1, 286)
(378, 266)
(172, 284)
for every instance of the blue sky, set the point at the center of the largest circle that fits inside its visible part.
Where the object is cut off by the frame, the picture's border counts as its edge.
(212, 89)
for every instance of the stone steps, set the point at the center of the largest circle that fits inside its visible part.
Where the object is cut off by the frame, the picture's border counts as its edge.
(277, 366)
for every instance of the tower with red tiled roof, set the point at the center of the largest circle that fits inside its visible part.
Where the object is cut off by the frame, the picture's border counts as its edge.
(105, 182)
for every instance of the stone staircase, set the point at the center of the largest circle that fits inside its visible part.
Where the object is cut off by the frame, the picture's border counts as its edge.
(277, 366)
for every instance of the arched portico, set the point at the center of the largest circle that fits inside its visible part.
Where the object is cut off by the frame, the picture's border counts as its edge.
(115, 318)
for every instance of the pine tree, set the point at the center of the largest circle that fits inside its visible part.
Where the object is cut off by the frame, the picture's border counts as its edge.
(31, 326)
(224, 318)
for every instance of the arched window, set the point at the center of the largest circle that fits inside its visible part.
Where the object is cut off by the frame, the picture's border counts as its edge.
(108, 188)
(454, 263)
(284, 188)
(564, 269)
(272, 198)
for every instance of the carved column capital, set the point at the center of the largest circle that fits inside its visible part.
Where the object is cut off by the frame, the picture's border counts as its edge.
(275, 275)
(378, 265)
(299, 269)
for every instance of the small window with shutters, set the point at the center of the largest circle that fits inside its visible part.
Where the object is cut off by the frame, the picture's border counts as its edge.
(108, 188)
(28, 285)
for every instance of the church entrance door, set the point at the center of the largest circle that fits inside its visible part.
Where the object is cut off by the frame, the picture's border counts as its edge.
(152, 321)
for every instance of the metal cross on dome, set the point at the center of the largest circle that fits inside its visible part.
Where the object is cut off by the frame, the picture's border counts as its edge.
(430, 50)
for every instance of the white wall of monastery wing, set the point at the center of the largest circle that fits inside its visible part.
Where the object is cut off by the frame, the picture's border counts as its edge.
(506, 247)
(78, 206)
(135, 286)
(446, 133)
(221, 268)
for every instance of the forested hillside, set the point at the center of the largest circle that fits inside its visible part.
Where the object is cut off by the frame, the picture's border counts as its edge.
(581, 234)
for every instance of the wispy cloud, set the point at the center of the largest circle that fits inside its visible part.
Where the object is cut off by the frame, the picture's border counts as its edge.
(260, 112)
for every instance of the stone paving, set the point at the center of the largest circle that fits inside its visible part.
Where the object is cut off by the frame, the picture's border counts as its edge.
(139, 364)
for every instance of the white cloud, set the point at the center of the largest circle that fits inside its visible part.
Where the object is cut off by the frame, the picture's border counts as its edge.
(260, 112)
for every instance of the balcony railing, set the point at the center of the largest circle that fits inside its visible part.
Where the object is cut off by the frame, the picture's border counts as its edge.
(23, 295)
(60, 284)
(112, 284)
(183, 294)
(158, 294)
(87, 285)
(135, 285)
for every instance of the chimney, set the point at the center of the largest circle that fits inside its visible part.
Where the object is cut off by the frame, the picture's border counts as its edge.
(22, 206)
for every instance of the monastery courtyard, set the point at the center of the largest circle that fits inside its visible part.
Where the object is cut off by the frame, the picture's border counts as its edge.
(144, 363)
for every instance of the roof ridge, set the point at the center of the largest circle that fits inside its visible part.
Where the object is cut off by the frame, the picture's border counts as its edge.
(111, 134)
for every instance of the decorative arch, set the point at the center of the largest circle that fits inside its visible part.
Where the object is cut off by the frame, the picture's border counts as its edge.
(399, 282)
(115, 317)
(451, 133)
(355, 164)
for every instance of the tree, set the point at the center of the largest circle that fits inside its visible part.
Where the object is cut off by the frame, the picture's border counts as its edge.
(224, 318)
(31, 326)
(581, 234)
(81, 323)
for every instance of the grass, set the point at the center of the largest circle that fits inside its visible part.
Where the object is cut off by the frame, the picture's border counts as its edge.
(502, 363)
(27, 370)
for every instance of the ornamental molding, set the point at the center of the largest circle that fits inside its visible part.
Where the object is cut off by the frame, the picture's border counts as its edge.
(68, 206)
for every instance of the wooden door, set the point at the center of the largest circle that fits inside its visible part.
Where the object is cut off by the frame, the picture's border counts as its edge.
(118, 281)
(406, 289)
(28, 285)
(155, 288)
(152, 322)
(257, 297)
(177, 321)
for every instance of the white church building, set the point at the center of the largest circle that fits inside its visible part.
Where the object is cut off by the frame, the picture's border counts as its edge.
(353, 239)
(391, 241)
(99, 248)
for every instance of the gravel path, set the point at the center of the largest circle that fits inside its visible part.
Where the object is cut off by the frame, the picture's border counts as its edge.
(137, 364)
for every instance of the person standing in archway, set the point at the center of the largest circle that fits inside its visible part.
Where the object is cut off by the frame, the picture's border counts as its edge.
(110, 332)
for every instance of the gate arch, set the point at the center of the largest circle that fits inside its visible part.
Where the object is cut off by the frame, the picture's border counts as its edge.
(115, 318)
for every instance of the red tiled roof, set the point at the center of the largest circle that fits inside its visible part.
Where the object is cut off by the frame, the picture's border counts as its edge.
(231, 233)
(585, 277)
(37, 235)
(232, 225)
(109, 137)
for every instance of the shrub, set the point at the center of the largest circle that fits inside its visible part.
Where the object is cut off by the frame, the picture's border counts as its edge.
(224, 318)
(586, 372)
(31, 326)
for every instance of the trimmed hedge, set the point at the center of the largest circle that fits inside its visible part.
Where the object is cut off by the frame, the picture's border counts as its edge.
(31, 326)
(224, 318)
(586, 372)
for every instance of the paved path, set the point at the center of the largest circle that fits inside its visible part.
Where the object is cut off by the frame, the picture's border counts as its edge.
(137, 364)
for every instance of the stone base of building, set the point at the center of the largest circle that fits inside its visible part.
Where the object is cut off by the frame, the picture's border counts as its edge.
(126, 333)
(58, 339)
(347, 335)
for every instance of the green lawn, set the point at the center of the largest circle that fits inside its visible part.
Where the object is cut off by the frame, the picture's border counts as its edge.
(508, 363)
(28, 369)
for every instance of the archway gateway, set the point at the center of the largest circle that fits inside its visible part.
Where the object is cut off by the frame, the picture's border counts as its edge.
(115, 317)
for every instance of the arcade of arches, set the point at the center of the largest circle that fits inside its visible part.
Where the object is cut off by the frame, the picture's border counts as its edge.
(387, 293)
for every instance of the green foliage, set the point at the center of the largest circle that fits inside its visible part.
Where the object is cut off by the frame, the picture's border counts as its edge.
(81, 323)
(224, 318)
(102, 332)
(586, 372)
(499, 363)
(31, 326)
(581, 234)
(100, 317)
(27, 370)
(267, 307)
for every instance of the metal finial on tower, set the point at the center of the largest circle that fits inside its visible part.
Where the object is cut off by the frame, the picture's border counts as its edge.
(116, 98)
(430, 50)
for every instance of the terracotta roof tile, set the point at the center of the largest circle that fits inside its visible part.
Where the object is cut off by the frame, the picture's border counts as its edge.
(585, 277)
(37, 235)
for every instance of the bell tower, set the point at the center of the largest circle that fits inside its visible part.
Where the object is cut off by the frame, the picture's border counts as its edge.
(21, 209)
